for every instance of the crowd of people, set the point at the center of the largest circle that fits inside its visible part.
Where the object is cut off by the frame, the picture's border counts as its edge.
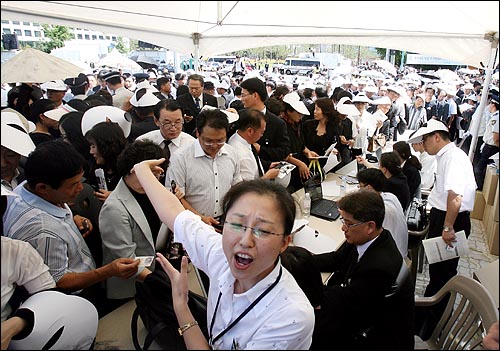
(98, 170)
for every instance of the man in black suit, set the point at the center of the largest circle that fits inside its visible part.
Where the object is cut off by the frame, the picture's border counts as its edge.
(361, 306)
(192, 103)
(274, 145)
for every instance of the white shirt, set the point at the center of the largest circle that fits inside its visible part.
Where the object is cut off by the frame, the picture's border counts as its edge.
(488, 133)
(428, 171)
(395, 222)
(23, 266)
(283, 319)
(155, 136)
(248, 163)
(454, 172)
(204, 180)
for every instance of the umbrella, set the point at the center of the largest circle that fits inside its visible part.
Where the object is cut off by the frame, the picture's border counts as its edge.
(146, 62)
(35, 66)
(468, 71)
(116, 60)
(386, 66)
(372, 74)
(447, 75)
(343, 69)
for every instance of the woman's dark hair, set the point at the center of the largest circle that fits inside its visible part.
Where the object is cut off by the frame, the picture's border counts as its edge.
(106, 95)
(109, 140)
(372, 177)
(402, 148)
(283, 199)
(280, 92)
(298, 261)
(364, 205)
(52, 162)
(71, 122)
(96, 100)
(79, 105)
(39, 107)
(390, 160)
(326, 106)
(136, 152)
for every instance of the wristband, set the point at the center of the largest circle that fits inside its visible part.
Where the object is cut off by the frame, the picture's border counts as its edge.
(185, 327)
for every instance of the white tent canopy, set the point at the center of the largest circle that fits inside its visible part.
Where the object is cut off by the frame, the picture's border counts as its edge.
(456, 31)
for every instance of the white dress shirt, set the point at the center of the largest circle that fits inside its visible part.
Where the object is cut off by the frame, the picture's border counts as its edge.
(283, 319)
(454, 172)
(204, 180)
(155, 136)
(248, 163)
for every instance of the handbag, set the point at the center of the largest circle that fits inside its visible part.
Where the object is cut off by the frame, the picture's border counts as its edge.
(316, 170)
(155, 307)
(376, 141)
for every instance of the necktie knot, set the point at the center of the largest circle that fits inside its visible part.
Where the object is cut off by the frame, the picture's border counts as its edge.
(197, 103)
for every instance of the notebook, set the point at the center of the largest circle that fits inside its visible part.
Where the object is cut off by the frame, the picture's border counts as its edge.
(322, 208)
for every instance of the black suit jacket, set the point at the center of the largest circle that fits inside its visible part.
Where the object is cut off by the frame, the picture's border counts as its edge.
(274, 143)
(354, 300)
(186, 101)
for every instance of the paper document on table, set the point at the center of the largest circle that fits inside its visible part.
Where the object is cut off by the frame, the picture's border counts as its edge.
(331, 162)
(330, 188)
(314, 241)
(436, 249)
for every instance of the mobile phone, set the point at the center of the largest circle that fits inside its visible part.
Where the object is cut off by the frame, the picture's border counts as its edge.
(187, 112)
(173, 185)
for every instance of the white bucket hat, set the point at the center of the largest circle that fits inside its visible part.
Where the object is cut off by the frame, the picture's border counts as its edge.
(433, 125)
(293, 99)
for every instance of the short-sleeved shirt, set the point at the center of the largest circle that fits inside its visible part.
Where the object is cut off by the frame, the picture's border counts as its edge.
(454, 172)
(283, 319)
(50, 229)
(204, 180)
(22, 266)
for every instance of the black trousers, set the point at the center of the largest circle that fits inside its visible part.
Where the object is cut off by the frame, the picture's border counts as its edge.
(441, 272)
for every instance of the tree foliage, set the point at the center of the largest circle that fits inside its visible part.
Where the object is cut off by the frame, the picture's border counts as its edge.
(55, 36)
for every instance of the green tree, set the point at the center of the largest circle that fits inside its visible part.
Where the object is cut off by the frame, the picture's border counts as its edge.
(56, 36)
(120, 45)
(397, 55)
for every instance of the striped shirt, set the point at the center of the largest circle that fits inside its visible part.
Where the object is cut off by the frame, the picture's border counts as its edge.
(204, 180)
(50, 230)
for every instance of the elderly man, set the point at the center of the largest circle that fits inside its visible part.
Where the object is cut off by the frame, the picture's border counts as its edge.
(122, 95)
(168, 118)
(193, 102)
(56, 89)
(16, 143)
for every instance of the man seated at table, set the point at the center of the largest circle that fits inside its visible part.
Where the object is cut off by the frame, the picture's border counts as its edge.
(361, 308)
(394, 219)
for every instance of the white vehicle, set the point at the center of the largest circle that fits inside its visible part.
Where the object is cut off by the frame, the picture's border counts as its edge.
(222, 60)
(296, 65)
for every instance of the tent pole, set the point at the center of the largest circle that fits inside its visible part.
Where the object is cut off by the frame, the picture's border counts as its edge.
(493, 38)
(196, 41)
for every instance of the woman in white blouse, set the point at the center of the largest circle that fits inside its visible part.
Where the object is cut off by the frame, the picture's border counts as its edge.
(253, 302)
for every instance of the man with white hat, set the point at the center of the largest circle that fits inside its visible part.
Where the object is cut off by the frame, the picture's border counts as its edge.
(451, 199)
(16, 142)
(143, 101)
(397, 113)
(56, 89)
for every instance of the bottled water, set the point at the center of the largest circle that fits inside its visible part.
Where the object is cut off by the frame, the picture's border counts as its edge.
(343, 185)
(306, 209)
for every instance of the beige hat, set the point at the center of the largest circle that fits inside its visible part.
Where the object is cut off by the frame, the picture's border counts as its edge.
(54, 85)
(433, 125)
(57, 113)
(293, 99)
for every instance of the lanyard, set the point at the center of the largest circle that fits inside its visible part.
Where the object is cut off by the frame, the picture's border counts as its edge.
(243, 314)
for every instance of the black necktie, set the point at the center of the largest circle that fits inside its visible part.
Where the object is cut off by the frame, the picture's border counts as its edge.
(164, 145)
(259, 165)
(197, 103)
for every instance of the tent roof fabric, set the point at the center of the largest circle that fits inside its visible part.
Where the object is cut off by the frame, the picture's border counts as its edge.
(456, 31)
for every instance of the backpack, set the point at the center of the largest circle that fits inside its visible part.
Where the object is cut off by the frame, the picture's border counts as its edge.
(153, 298)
